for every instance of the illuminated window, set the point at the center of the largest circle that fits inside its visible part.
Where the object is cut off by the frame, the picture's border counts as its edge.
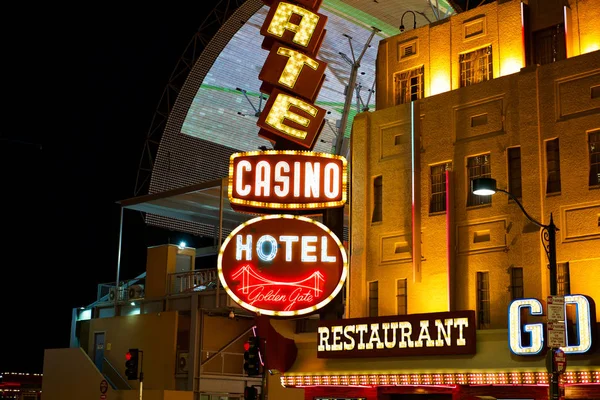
(514, 171)
(478, 167)
(594, 147)
(377, 199)
(437, 203)
(408, 86)
(516, 283)
(373, 299)
(563, 281)
(476, 66)
(483, 300)
(552, 167)
(549, 45)
(401, 296)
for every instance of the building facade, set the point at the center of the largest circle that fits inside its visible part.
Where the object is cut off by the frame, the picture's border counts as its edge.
(510, 91)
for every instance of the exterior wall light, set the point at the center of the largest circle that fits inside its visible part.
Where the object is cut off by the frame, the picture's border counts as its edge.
(402, 19)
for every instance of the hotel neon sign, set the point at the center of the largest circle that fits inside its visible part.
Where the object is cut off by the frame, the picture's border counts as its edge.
(287, 180)
(282, 265)
(585, 317)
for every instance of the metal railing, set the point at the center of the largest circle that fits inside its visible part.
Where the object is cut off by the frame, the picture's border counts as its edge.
(222, 363)
(198, 280)
(131, 289)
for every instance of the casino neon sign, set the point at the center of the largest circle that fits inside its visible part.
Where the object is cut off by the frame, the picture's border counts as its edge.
(585, 317)
(287, 180)
(291, 76)
(282, 265)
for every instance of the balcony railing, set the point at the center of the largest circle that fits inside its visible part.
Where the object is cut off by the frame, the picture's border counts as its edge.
(131, 289)
(193, 281)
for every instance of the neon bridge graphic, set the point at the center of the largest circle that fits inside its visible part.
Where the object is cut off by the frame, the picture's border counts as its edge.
(251, 279)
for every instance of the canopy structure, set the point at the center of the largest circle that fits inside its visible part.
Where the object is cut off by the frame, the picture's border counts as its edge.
(205, 203)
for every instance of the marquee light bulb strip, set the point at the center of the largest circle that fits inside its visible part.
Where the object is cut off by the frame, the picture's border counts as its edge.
(441, 379)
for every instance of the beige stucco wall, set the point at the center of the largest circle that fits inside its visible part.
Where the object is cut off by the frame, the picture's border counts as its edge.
(155, 334)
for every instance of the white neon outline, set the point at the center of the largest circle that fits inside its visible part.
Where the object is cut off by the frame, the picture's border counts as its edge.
(303, 311)
(291, 206)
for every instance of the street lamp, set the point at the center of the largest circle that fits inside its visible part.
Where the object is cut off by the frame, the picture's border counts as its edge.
(487, 187)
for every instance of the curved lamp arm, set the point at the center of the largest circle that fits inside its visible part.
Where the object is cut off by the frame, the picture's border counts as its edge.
(522, 209)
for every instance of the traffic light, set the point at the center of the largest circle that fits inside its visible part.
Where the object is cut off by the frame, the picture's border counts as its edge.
(250, 393)
(131, 364)
(251, 357)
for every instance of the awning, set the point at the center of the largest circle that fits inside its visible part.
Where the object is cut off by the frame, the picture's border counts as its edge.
(205, 203)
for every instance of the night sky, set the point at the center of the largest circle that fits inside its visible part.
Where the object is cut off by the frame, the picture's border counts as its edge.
(81, 88)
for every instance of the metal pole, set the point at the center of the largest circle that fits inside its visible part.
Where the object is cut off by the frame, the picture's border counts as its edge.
(350, 92)
(141, 373)
(117, 286)
(551, 229)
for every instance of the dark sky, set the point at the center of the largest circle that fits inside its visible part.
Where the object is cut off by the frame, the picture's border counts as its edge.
(81, 88)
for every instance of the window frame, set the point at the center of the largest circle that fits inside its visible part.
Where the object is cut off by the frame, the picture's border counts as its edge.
(437, 187)
(407, 97)
(474, 200)
(400, 296)
(553, 180)
(373, 288)
(468, 76)
(483, 301)
(517, 287)
(594, 158)
(377, 214)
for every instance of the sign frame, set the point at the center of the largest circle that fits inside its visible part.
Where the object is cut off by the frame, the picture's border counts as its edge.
(244, 205)
(283, 313)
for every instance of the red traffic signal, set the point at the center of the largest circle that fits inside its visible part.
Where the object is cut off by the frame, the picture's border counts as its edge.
(246, 346)
(127, 356)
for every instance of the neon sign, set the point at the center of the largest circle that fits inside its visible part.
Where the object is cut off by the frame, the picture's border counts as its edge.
(282, 265)
(585, 315)
(287, 180)
(291, 76)
(408, 335)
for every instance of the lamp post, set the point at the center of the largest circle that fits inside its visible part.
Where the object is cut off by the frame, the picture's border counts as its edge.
(487, 187)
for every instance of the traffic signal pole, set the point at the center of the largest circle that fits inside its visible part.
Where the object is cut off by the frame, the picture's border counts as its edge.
(141, 373)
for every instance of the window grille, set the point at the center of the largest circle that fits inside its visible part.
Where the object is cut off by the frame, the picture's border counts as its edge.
(483, 300)
(476, 66)
(437, 203)
(563, 279)
(516, 283)
(408, 86)
(514, 172)
(478, 167)
(401, 297)
(552, 167)
(594, 147)
(373, 299)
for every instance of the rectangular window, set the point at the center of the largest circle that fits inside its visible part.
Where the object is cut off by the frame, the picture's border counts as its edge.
(563, 280)
(437, 203)
(552, 167)
(514, 171)
(483, 300)
(594, 147)
(377, 199)
(408, 86)
(478, 167)
(549, 45)
(516, 283)
(476, 66)
(401, 297)
(373, 299)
